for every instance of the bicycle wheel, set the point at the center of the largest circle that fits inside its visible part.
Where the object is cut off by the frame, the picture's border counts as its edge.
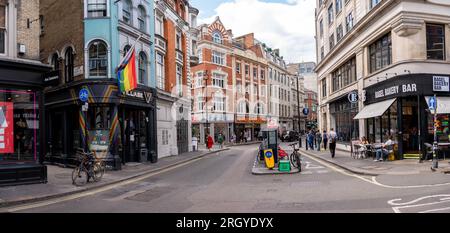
(99, 170)
(293, 159)
(79, 176)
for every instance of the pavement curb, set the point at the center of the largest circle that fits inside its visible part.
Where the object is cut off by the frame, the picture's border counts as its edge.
(347, 168)
(59, 195)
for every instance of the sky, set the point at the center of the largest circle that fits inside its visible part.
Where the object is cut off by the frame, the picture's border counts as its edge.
(284, 24)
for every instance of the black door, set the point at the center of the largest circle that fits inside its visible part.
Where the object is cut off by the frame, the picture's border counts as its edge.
(131, 137)
(182, 136)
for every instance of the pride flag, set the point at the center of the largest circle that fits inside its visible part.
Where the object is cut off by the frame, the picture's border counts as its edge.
(126, 72)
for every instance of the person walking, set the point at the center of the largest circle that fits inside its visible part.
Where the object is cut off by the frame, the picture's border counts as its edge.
(220, 140)
(311, 140)
(325, 139)
(210, 142)
(319, 139)
(333, 137)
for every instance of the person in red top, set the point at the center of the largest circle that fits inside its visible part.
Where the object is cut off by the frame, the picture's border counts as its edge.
(210, 142)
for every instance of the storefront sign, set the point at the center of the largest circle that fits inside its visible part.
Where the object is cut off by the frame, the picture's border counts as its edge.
(395, 90)
(77, 71)
(51, 78)
(441, 83)
(6, 127)
(353, 97)
(146, 96)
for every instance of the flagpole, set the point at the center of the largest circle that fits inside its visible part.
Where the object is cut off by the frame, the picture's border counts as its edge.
(131, 49)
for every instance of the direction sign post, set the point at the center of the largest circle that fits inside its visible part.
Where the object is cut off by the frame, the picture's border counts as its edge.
(433, 103)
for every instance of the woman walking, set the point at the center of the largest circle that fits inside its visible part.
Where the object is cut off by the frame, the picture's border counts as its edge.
(325, 139)
(210, 142)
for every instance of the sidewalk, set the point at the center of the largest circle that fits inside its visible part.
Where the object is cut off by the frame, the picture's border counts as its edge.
(60, 179)
(371, 168)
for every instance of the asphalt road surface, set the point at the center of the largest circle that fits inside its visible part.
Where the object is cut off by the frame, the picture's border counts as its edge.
(223, 182)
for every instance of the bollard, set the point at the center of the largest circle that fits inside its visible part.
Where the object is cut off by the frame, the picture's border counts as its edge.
(306, 143)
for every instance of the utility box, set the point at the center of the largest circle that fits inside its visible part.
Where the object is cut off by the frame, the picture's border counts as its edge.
(284, 166)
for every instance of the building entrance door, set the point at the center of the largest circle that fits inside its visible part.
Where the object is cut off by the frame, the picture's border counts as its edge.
(135, 129)
(182, 136)
(411, 126)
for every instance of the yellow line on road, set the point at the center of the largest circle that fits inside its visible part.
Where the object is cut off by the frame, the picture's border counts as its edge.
(95, 191)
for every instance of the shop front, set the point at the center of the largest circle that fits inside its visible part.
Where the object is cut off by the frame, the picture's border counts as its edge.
(398, 108)
(117, 127)
(21, 137)
(342, 113)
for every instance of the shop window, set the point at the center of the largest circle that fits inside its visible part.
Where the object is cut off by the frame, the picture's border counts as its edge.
(99, 117)
(343, 113)
(19, 126)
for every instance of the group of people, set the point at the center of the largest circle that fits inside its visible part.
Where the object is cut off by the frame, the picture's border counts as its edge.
(210, 141)
(382, 151)
(315, 139)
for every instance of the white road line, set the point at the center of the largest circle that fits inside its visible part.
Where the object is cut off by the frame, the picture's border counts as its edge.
(392, 202)
(420, 205)
(434, 210)
(93, 192)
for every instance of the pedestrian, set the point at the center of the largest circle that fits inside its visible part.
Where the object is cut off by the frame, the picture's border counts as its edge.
(325, 139)
(311, 140)
(383, 152)
(333, 137)
(210, 142)
(220, 140)
(319, 139)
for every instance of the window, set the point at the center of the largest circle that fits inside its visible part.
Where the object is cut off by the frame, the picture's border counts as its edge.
(55, 61)
(219, 103)
(322, 53)
(98, 59)
(339, 33)
(338, 6)
(331, 41)
(343, 76)
(321, 28)
(165, 137)
(99, 117)
(142, 18)
(373, 3)
(263, 74)
(160, 71)
(238, 87)
(380, 53)
(96, 8)
(349, 22)
(247, 69)
(238, 67)
(324, 88)
(180, 80)
(68, 64)
(259, 109)
(199, 80)
(126, 49)
(217, 37)
(255, 90)
(159, 25)
(218, 58)
(255, 72)
(2, 29)
(242, 107)
(435, 42)
(178, 40)
(200, 103)
(263, 90)
(200, 56)
(330, 14)
(218, 80)
(127, 8)
(142, 68)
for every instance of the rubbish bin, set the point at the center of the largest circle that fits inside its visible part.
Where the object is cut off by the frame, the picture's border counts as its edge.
(153, 157)
(144, 155)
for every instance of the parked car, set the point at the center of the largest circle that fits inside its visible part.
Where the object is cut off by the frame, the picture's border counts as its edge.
(290, 136)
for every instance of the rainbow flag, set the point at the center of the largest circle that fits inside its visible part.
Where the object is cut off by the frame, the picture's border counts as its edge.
(126, 72)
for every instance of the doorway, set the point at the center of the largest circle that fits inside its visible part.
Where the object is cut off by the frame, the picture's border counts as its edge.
(411, 125)
(135, 136)
(182, 136)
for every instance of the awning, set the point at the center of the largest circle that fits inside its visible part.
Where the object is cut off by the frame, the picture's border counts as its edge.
(374, 110)
(443, 104)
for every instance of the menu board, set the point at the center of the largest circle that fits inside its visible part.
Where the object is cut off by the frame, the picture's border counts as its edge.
(442, 127)
(99, 140)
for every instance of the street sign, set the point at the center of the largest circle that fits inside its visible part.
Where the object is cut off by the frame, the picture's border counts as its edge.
(306, 111)
(84, 94)
(353, 97)
(85, 107)
(432, 103)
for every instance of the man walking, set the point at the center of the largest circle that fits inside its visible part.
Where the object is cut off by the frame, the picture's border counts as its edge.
(325, 139)
(332, 136)
(319, 139)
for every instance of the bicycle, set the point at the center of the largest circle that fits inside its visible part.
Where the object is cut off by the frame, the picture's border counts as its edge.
(296, 157)
(89, 167)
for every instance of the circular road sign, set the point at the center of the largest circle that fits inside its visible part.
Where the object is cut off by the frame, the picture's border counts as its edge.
(84, 95)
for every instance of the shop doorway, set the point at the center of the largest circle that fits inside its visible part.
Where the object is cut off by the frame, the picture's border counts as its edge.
(135, 138)
(411, 126)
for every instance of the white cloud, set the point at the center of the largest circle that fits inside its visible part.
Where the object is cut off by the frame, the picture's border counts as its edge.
(288, 26)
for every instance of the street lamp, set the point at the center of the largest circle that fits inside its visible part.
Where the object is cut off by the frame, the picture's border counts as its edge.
(205, 78)
(298, 111)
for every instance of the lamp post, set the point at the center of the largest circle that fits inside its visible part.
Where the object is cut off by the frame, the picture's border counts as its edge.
(298, 112)
(205, 78)
(435, 143)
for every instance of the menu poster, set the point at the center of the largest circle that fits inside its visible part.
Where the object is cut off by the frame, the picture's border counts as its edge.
(6, 127)
(99, 140)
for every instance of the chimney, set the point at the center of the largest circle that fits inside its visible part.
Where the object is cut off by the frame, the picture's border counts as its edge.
(249, 40)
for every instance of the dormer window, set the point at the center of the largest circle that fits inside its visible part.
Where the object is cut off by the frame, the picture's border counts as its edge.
(217, 38)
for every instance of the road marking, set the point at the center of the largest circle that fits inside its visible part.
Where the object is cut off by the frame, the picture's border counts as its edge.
(404, 205)
(95, 191)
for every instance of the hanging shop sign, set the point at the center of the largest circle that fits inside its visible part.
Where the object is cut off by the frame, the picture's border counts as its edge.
(144, 95)
(6, 127)
(51, 78)
(353, 97)
(441, 83)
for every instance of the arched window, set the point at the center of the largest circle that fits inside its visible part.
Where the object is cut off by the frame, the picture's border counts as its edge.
(142, 15)
(98, 59)
(259, 109)
(68, 64)
(55, 61)
(142, 67)
(127, 8)
(217, 38)
(126, 49)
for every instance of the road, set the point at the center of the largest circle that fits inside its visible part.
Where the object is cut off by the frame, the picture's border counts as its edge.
(223, 183)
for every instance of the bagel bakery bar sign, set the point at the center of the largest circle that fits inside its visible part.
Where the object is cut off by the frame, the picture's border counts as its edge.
(396, 90)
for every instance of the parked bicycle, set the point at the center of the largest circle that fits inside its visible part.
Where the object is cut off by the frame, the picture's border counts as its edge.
(89, 167)
(296, 157)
